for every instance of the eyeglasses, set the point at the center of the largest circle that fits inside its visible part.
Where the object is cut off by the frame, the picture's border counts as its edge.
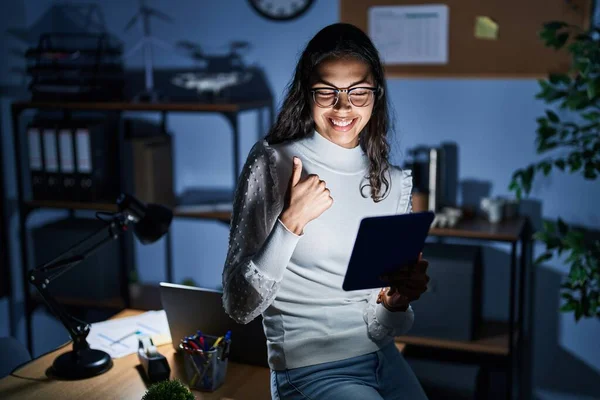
(358, 96)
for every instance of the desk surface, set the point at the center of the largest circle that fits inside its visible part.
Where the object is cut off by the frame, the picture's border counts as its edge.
(124, 380)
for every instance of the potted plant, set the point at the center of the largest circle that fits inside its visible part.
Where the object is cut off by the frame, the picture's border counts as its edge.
(168, 390)
(570, 144)
(189, 282)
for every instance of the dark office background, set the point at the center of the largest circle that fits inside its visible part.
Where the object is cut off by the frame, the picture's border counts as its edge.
(491, 121)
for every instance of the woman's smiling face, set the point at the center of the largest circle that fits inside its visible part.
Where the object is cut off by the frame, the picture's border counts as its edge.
(342, 123)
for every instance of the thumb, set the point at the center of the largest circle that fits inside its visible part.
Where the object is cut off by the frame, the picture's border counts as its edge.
(296, 171)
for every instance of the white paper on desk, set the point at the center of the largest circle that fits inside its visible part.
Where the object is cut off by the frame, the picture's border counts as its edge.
(410, 34)
(103, 334)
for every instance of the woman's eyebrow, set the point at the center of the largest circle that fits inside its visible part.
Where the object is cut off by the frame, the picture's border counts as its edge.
(363, 80)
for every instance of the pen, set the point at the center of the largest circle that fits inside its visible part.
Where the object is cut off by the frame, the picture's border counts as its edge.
(201, 340)
(220, 338)
(125, 337)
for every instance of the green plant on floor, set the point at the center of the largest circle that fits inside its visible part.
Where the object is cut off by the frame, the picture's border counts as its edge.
(571, 145)
(188, 282)
(168, 390)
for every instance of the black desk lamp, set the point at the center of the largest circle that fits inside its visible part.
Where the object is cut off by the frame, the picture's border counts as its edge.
(150, 222)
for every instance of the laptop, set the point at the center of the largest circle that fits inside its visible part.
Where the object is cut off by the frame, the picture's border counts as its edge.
(191, 308)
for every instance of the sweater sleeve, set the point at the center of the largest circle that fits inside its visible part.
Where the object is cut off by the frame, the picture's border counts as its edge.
(260, 246)
(380, 321)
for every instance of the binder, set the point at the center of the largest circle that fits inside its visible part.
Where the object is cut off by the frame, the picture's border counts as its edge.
(83, 155)
(36, 162)
(96, 160)
(66, 155)
(50, 150)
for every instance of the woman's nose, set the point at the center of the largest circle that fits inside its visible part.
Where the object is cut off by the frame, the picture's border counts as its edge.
(343, 102)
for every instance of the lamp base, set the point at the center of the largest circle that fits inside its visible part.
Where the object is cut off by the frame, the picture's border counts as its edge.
(81, 364)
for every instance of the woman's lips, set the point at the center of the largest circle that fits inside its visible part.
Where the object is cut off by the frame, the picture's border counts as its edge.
(343, 124)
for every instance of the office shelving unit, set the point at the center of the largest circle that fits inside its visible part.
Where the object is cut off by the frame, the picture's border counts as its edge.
(26, 206)
(497, 344)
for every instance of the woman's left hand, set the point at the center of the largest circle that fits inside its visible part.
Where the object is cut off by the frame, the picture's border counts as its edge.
(405, 285)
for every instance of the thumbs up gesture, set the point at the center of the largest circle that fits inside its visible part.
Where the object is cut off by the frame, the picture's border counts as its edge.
(305, 200)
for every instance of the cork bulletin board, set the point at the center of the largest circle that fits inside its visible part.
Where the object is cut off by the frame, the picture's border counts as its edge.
(485, 38)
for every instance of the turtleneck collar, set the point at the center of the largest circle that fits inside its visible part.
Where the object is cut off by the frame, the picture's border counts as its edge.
(332, 156)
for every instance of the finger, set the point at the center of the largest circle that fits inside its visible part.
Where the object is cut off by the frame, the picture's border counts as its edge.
(420, 256)
(397, 275)
(410, 283)
(296, 171)
(422, 266)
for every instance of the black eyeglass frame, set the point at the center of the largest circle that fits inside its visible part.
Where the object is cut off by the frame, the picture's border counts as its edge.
(343, 90)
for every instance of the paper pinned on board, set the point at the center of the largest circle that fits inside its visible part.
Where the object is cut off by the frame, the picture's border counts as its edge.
(486, 28)
(410, 34)
(119, 337)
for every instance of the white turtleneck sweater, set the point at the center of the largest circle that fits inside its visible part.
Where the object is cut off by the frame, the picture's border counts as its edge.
(296, 281)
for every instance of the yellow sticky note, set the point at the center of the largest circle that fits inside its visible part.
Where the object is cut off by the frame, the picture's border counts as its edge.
(486, 28)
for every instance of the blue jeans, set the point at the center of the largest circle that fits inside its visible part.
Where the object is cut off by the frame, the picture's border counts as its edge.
(384, 374)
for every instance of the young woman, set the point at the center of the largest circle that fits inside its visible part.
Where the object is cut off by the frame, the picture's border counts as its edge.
(298, 205)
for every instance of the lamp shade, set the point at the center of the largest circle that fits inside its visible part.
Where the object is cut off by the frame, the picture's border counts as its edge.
(150, 222)
(154, 224)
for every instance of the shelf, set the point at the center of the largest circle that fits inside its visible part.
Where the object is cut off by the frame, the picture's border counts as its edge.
(73, 205)
(505, 231)
(197, 212)
(133, 106)
(492, 341)
(186, 212)
(110, 303)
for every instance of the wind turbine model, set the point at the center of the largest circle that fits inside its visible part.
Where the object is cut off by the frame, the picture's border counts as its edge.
(144, 14)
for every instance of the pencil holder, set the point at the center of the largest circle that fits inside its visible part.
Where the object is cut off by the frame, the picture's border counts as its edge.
(206, 368)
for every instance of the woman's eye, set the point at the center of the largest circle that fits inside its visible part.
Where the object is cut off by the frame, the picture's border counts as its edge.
(326, 94)
(360, 92)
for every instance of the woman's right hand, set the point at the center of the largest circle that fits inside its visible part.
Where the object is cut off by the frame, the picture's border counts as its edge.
(305, 200)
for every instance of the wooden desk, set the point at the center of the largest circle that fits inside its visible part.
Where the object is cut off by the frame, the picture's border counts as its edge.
(125, 380)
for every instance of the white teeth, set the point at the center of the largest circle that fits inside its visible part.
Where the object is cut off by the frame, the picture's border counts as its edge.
(342, 122)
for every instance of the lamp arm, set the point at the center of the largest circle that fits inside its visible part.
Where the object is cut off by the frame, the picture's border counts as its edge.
(42, 276)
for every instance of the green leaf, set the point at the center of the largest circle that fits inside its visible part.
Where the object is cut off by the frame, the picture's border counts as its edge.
(593, 88)
(546, 167)
(557, 79)
(591, 116)
(574, 240)
(563, 228)
(578, 312)
(542, 236)
(560, 164)
(566, 296)
(553, 26)
(543, 257)
(589, 171)
(568, 306)
(549, 226)
(552, 116)
(575, 161)
(561, 39)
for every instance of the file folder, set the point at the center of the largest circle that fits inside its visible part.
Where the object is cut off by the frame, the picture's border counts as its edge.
(50, 149)
(66, 155)
(36, 162)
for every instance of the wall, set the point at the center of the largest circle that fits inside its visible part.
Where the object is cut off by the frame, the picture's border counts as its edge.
(492, 122)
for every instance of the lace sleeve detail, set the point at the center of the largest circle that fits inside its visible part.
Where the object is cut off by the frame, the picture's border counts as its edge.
(405, 200)
(247, 290)
(382, 323)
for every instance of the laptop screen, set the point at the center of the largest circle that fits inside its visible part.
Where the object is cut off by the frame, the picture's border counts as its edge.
(190, 309)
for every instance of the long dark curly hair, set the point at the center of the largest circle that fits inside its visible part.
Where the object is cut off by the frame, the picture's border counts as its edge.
(295, 119)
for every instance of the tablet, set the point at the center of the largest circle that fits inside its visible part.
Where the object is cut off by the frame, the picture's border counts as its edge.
(384, 244)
